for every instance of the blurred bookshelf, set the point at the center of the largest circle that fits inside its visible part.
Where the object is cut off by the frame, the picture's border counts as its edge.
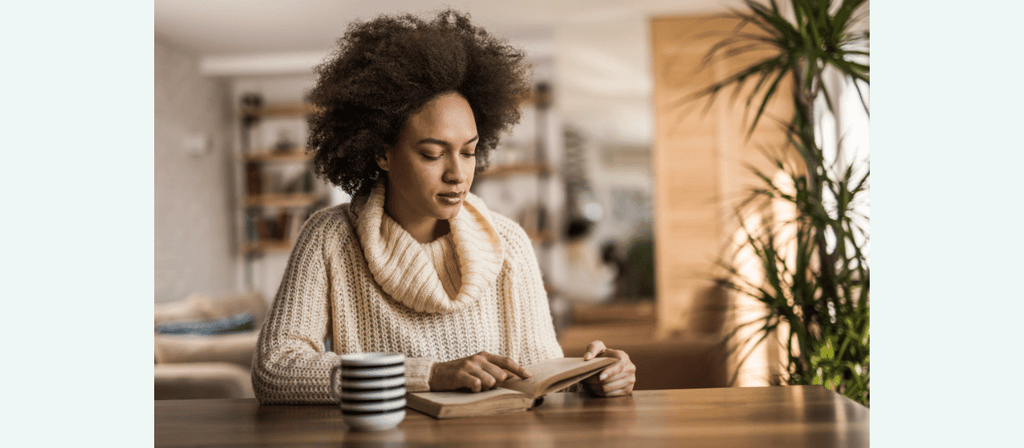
(278, 189)
(527, 169)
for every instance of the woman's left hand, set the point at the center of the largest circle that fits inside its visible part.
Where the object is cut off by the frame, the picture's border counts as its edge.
(615, 380)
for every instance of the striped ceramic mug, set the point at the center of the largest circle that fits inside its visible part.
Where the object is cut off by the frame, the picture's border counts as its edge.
(371, 390)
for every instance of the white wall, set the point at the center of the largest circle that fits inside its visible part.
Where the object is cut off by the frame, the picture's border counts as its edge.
(193, 232)
(603, 68)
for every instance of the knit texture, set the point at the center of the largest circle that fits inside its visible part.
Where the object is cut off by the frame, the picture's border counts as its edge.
(390, 251)
(356, 277)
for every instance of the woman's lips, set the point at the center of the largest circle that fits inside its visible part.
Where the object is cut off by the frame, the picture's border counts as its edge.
(450, 198)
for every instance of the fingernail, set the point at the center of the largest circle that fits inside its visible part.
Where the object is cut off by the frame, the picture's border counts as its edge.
(604, 376)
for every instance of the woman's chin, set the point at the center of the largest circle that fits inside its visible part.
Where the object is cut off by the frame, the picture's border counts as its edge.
(448, 211)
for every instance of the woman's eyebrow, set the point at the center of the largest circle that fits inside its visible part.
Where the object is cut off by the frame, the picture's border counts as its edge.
(444, 143)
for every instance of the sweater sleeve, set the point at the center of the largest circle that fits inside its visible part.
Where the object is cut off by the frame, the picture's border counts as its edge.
(417, 374)
(291, 364)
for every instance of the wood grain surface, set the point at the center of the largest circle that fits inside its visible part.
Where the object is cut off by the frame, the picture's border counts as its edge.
(792, 417)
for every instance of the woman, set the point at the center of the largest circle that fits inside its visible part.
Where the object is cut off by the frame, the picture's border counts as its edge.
(407, 111)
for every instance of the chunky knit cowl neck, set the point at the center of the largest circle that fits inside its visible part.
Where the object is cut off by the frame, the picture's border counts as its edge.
(403, 267)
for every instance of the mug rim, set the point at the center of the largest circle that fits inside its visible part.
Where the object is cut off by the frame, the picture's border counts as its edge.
(371, 359)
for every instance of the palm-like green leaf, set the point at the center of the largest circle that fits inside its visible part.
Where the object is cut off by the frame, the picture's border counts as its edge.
(802, 48)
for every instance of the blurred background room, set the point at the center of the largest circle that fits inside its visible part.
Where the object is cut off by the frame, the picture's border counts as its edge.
(626, 189)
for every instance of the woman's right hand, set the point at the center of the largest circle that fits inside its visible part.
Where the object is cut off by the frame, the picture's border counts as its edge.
(478, 372)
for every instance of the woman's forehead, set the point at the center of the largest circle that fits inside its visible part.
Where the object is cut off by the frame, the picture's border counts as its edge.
(447, 117)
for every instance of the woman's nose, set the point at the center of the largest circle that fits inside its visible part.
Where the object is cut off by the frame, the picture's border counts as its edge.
(454, 171)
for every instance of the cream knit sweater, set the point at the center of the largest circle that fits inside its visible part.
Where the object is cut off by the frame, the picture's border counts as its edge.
(357, 277)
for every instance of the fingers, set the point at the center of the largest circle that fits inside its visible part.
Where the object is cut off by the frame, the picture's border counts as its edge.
(623, 365)
(466, 379)
(479, 372)
(510, 375)
(630, 373)
(623, 386)
(508, 364)
(487, 370)
(594, 349)
(617, 379)
(476, 378)
(615, 386)
(496, 373)
(617, 354)
(480, 367)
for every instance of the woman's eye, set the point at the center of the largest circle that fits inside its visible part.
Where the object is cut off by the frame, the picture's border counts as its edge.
(469, 154)
(425, 156)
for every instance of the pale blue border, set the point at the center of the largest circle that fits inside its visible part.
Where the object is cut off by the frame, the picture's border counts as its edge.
(77, 226)
(946, 238)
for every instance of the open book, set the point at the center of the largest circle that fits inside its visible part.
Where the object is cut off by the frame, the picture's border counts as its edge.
(511, 395)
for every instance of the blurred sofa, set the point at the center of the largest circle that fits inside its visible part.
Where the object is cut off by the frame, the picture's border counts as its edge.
(190, 366)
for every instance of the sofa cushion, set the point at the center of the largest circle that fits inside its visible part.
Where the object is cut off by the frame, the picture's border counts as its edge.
(202, 307)
(234, 324)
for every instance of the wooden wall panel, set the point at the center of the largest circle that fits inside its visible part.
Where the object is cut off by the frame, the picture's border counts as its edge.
(698, 161)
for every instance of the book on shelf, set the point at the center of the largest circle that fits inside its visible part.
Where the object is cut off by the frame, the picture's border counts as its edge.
(512, 395)
(250, 227)
(253, 178)
(281, 226)
(264, 229)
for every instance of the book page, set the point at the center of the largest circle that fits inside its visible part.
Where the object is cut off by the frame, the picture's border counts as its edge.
(547, 373)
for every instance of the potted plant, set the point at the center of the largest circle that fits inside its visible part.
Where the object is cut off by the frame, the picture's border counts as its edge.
(814, 277)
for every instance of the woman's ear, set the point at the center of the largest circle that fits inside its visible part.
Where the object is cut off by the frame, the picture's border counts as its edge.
(382, 162)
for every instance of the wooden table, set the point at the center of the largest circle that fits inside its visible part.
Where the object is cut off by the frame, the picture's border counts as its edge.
(791, 417)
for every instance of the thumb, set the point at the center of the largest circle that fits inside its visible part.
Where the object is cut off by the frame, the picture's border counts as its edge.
(595, 348)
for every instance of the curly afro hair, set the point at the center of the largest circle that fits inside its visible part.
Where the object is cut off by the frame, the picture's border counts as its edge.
(387, 68)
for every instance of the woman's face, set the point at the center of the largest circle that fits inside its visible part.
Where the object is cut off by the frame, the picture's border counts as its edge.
(431, 167)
